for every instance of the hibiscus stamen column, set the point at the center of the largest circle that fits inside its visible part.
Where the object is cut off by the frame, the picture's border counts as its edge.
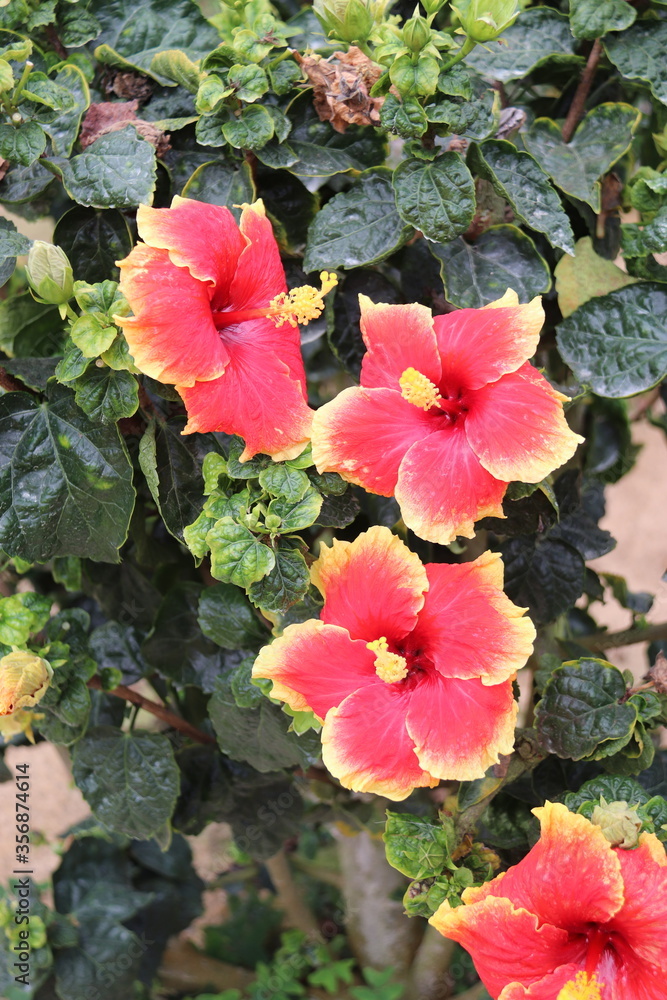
(300, 305)
(390, 667)
(584, 986)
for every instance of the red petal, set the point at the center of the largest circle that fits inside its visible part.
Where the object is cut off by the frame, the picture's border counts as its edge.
(397, 338)
(363, 434)
(257, 397)
(642, 920)
(260, 275)
(373, 586)
(479, 345)
(547, 988)
(460, 727)
(366, 746)
(468, 627)
(570, 878)
(517, 428)
(315, 666)
(204, 238)
(442, 489)
(171, 336)
(615, 982)
(508, 945)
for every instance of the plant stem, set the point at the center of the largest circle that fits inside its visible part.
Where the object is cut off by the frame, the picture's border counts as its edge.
(173, 720)
(467, 47)
(18, 90)
(10, 384)
(576, 111)
(290, 900)
(612, 640)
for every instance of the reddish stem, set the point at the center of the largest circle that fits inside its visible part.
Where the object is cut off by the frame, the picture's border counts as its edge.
(576, 111)
(160, 711)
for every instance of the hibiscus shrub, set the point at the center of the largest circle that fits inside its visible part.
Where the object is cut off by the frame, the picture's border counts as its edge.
(314, 372)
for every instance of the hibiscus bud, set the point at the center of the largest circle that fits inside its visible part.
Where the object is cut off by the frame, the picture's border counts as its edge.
(619, 823)
(349, 20)
(49, 273)
(24, 678)
(416, 33)
(19, 723)
(484, 20)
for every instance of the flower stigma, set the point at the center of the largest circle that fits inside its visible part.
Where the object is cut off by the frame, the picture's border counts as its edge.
(418, 389)
(389, 667)
(584, 986)
(302, 304)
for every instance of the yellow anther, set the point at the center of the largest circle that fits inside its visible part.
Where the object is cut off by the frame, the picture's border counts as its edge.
(418, 389)
(302, 304)
(582, 987)
(389, 667)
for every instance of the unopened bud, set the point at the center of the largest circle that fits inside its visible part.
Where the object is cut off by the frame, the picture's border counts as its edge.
(49, 273)
(24, 678)
(349, 20)
(484, 20)
(619, 823)
(416, 33)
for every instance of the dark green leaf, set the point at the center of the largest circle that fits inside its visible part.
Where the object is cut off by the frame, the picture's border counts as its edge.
(177, 648)
(106, 395)
(65, 482)
(251, 130)
(593, 18)
(115, 171)
(258, 736)
(172, 463)
(129, 780)
(321, 151)
(33, 372)
(360, 226)
(601, 139)
(438, 198)
(134, 32)
(343, 330)
(617, 343)
(582, 709)
(475, 119)
(639, 53)
(29, 328)
(517, 177)
(338, 511)
(538, 36)
(580, 511)
(545, 576)
(226, 617)
(282, 481)
(403, 118)
(64, 129)
(236, 555)
(117, 647)
(22, 144)
(12, 244)
(93, 241)
(502, 257)
(219, 183)
(286, 584)
(22, 184)
(76, 26)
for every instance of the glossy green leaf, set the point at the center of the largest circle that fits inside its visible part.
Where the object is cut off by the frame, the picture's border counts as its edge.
(475, 119)
(226, 617)
(64, 130)
(219, 183)
(22, 144)
(236, 555)
(544, 575)
(286, 584)
(92, 334)
(321, 151)
(65, 482)
(258, 736)
(583, 707)
(518, 178)
(438, 198)
(404, 118)
(93, 241)
(295, 515)
(617, 343)
(129, 780)
(282, 481)
(116, 171)
(106, 395)
(601, 139)
(360, 226)
(539, 35)
(29, 328)
(502, 257)
(175, 66)
(12, 244)
(251, 130)
(249, 82)
(21, 184)
(134, 32)
(417, 847)
(76, 26)
(639, 54)
(593, 18)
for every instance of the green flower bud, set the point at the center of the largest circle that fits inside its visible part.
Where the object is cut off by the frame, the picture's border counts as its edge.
(49, 273)
(416, 33)
(272, 522)
(349, 20)
(619, 822)
(484, 20)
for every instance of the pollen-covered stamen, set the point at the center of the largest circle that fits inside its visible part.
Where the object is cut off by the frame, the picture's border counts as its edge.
(302, 304)
(389, 667)
(418, 389)
(584, 986)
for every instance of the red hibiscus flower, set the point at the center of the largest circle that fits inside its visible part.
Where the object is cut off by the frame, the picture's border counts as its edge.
(576, 919)
(448, 413)
(213, 317)
(409, 667)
